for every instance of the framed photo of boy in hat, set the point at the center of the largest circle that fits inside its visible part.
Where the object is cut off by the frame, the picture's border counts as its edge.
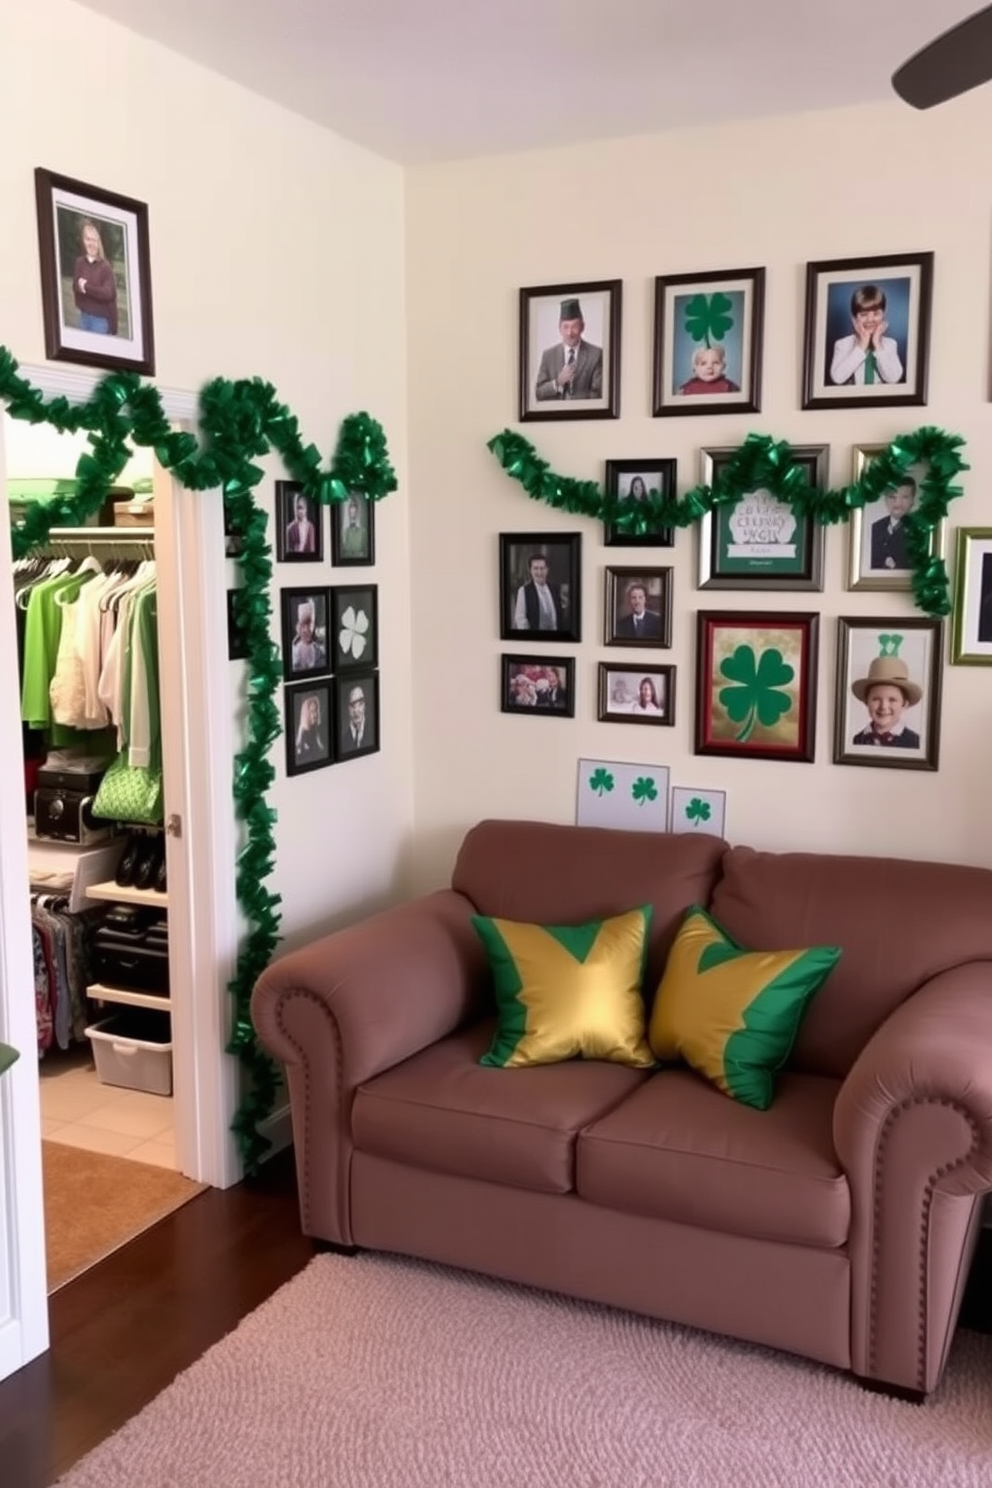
(887, 709)
(570, 351)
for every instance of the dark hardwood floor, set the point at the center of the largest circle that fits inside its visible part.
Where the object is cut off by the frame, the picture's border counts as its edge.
(124, 1330)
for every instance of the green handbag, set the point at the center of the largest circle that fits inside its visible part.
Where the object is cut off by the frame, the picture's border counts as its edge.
(130, 793)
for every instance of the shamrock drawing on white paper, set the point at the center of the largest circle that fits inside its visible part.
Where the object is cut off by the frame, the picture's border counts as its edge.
(353, 637)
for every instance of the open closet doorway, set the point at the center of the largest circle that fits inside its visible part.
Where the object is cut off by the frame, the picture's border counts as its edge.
(196, 909)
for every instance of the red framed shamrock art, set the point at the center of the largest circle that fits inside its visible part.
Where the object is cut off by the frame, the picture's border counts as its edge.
(756, 684)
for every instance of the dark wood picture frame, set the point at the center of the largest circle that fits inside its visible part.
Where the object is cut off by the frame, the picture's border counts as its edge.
(898, 288)
(344, 686)
(352, 644)
(690, 321)
(659, 475)
(763, 525)
(620, 626)
(895, 653)
(562, 555)
(756, 703)
(528, 684)
(657, 710)
(541, 396)
(123, 338)
(289, 496)
(308, 737)
(346, 552)
(313, 654)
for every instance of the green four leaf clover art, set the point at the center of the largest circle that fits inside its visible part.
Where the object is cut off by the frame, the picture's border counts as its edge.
(756, 697)
(708, 318)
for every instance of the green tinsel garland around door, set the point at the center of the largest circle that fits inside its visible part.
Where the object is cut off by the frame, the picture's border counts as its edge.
(239, 422)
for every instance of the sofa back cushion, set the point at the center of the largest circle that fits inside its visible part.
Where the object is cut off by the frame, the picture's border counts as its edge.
(898, 923)
(551, 874)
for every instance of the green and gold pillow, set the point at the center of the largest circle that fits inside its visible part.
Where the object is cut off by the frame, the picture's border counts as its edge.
(568, 991)
(733, 1014)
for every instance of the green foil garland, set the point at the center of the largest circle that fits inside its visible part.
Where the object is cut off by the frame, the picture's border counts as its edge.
(239, 422)
(762, 463)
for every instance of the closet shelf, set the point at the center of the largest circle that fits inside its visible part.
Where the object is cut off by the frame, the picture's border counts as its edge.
(102, 993)
(120, 894)
(70, 866)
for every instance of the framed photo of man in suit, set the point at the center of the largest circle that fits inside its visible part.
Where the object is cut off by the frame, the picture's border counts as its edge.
(540, 579)
(356, 715)
(639, 607)
(879, 551)
(570, 351)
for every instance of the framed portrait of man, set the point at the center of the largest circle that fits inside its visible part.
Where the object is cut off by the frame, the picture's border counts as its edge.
(708, 331)
(638, 606)
(540, 575)
(353, 531)
(867, 331)
(570, 351)
(299, 525)
(356, 715)
(759, 541)
(887, 709)
(880, 552)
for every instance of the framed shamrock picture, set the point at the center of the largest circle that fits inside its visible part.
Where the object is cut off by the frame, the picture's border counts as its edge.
(708, 332)
(614, 793)
(703, 812)
(756, 684)
(354, 626)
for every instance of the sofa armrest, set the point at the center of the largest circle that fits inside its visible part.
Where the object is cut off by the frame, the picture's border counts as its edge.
(913, 1132)
(350, 1005)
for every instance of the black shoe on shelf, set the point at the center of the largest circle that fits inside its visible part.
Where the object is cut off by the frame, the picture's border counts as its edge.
(161, 883)
(147, 864)
(129, 860)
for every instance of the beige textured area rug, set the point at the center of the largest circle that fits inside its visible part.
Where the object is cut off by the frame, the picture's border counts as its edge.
(94, 1204)
(377, 1372)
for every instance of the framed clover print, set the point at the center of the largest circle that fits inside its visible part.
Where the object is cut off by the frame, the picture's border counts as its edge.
(707, 342)
(756, 684)
(758, 541)
(354, 626)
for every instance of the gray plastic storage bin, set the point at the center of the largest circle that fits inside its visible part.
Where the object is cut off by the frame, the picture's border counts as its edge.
(133, 1048)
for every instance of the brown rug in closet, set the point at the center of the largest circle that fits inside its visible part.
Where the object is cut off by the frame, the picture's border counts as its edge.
(95, 1203)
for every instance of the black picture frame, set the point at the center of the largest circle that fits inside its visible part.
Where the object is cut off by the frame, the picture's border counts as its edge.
(520, 554)
(621, 607)
(237, 637)
(538, 684)
(786, 545)
(621, 693)
(622, 477)
(756, 684)
(898, 288)
(345, 686)
(299, 520)
(719, 316)
(542, 337)
(117, 227)
(305, 654)
(307, 722)
(893, 652)
(353, 531)
(354, 638)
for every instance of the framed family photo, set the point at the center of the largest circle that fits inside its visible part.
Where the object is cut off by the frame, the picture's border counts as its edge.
(354, 626)
(570, 351)
(758, 541)
(887, 707)
(867, 333)
(708, 331)
(638, 607)
(299, 526)
(756, 684)
(537, 684)
(353, 531)
(96, 284)
(357, 729)
(307, 727)
(632, 481)
(971, 641)
(304, 633)
(636, 694)
(878, 552)
(540, 585)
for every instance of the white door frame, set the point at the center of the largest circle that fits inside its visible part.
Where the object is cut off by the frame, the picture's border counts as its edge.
(203, 921)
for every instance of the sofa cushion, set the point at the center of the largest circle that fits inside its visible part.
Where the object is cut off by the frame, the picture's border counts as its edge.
(444, 1111)
(733, 1014)
(564, 991)
(678, 1150)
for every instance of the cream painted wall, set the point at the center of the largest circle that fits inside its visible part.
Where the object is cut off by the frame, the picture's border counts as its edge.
(774, 192)
(278, 251)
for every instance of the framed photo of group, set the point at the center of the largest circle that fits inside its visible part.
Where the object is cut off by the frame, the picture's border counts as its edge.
(708, 331)
(630, 482)
(570, 351)
(867, 333)
(756, 684)
(537, 684)
(540, 585)
(758, 541)
(879, 555)
(971, 641)
(887, 709)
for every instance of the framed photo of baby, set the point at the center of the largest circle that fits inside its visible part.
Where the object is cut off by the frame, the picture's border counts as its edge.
(887, 708)
(570, 351)
(867, 333)
(879, 550)
(708, 331)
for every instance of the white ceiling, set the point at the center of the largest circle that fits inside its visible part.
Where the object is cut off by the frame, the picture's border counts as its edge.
(420, 80)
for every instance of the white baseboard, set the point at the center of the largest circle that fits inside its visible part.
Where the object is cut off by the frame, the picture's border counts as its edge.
(277, 1126)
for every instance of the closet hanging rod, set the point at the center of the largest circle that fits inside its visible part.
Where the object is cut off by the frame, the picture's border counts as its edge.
(114, 542)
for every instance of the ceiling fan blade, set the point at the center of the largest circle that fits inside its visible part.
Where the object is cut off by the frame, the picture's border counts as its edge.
(957, 61)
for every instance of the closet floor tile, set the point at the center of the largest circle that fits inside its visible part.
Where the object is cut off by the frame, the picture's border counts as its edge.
(159, 1154)
(60, 1102)
(132, 1118)
(49, 1127)
(93, 1139)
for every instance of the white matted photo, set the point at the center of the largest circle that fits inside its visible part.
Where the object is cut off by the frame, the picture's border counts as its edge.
(887, 709)
(879, 531)
(631, 798)
(701, 811)
(570, 351)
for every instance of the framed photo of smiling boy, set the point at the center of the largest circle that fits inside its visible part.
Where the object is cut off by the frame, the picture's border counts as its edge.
(879, 553)
(887, 709)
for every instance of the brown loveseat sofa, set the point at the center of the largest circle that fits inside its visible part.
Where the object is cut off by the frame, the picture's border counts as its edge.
(838, 1224)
